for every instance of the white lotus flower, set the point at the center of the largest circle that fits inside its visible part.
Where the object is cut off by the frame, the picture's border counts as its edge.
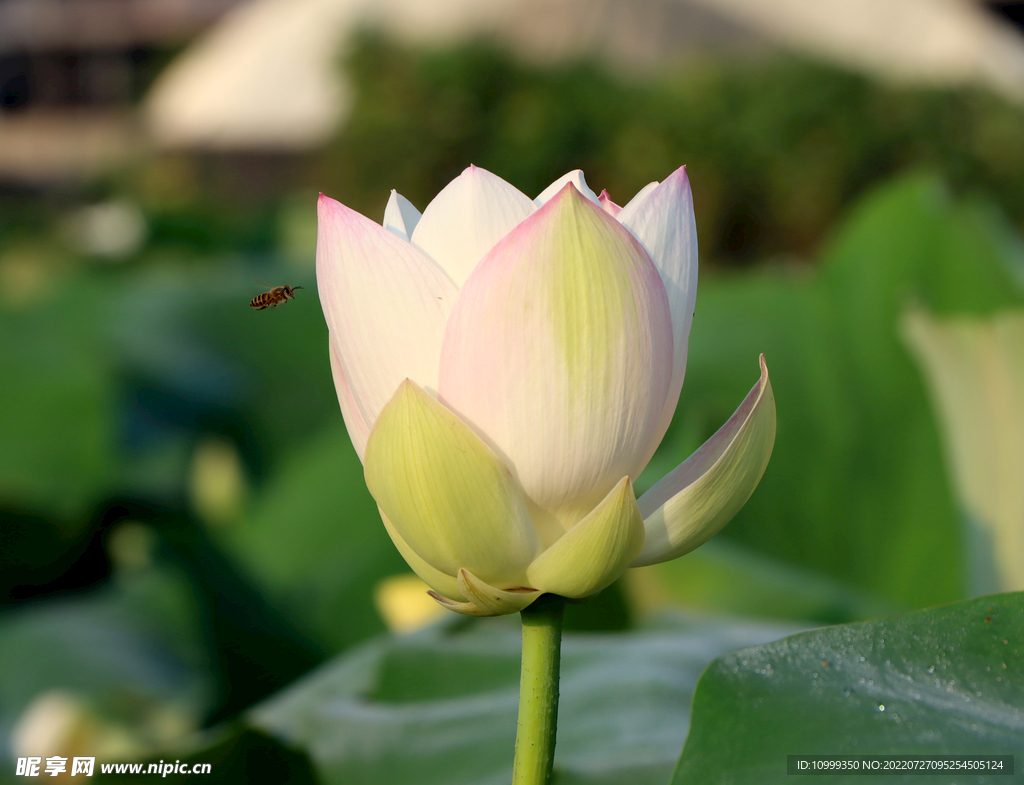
(506, 367)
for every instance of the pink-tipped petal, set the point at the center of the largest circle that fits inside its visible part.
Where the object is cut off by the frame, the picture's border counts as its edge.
(358, 428)
(576, 178)
(664, 224)
(697, 498)
(606, 202)
(386, 304)
(400, 216)
(466, 219)
(559, 353)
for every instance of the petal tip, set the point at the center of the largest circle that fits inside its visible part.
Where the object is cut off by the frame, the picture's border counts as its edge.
(326, 207)
(441, 598)
(679, 179)
(679, 174)
(606, 202)
(406, 392)
(569, 192)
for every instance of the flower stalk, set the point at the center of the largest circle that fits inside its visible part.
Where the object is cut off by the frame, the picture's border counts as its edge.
(538, 691)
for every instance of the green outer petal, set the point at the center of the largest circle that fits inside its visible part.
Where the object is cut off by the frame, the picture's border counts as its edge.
(496, 601)
(595, 551)
(446, 493)
(435, 579)
(697, 498)
(465, 608)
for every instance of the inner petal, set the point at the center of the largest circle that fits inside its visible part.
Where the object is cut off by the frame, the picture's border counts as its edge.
(466, 219)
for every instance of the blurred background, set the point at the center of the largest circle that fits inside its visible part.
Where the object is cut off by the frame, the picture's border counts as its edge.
(184, 528)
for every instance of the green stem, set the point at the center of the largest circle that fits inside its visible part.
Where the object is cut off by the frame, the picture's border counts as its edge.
(538, 691)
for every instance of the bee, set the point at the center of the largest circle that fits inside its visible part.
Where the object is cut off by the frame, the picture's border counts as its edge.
(273, 298)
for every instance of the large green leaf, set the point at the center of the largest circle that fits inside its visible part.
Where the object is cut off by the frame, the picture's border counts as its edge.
(941, 681)
(439, 707)
(856, 488)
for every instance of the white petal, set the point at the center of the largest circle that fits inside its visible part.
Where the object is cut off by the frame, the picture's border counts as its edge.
(467, 218)
(386, 304)
(358, 428)
(663, 222)
(696, 499)
(400, 216)
(559, 353)
(640, 195)
(576, 178)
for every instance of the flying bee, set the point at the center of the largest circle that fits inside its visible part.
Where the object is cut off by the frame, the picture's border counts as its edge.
(273, 298)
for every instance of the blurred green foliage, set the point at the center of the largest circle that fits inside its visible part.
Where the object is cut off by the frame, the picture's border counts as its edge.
(856, 487)
(117, 374)
(57, 446)
(315, 540)
(776, 148)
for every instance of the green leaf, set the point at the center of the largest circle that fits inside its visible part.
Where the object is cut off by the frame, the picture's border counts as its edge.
(439, 707)
(940, 681)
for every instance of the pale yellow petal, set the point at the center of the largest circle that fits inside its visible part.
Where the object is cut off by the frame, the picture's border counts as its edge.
(446, 493)
(465, 608)
(434, 578)
(496, 601)
(595, 551)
